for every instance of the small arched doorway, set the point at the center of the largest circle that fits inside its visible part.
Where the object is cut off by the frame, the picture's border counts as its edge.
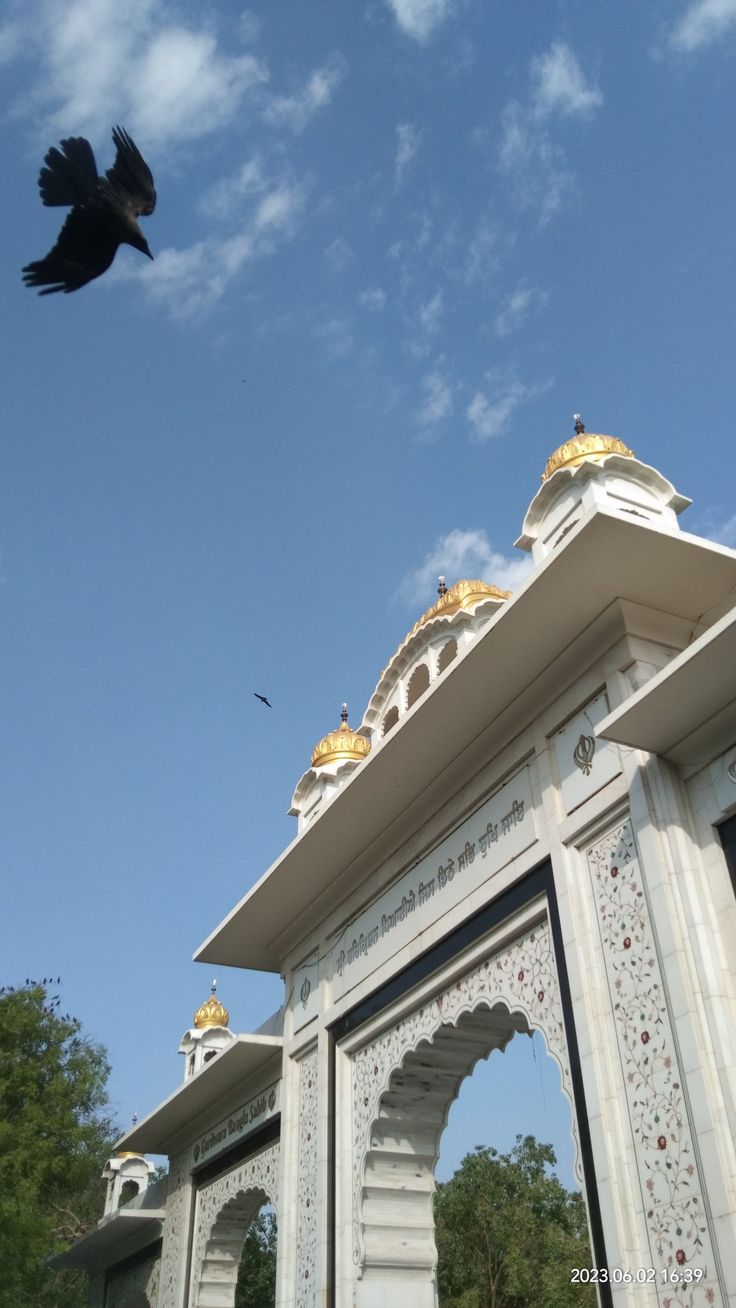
(220, 1283)
(227, 1209)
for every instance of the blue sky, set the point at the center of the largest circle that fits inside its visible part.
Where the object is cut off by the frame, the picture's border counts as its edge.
(397, 244)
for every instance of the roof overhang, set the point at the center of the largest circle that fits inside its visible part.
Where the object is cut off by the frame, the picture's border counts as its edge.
(127, 1230)
(687, 712)
(211, 1085)
(603, 559)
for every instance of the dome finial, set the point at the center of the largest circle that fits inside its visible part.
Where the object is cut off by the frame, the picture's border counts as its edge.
(442, 588)
(341, 745)
(579, 425)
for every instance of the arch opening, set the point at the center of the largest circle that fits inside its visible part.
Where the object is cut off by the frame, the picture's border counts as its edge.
(418, 684)
(447, 654)
(128, 1191)
(397, 1220)
(390, 720)
(238, 1267)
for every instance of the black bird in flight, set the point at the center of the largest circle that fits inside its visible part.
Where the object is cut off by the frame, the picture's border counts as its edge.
(263, 699)
(104, 211)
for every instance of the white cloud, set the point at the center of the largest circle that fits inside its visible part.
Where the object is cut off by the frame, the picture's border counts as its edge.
(185, 87)
(714, 527)
(11, 41)
(481, 259)
(338, 255)
(725, 532)
(534, 164)
(408, 138)
(192, 280)
(419, 18)
(424, 322)
(437, 403)
(516, 307)
(105, 62)
(489, 417)
(703, 22)
(228, 193)
(430, 314)
(295, 111)
(559, 85)
(249, 26)
(462, 553)
(336, 336)
(373, 299)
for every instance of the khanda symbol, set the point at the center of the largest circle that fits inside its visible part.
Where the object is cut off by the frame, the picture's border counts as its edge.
(583, 755)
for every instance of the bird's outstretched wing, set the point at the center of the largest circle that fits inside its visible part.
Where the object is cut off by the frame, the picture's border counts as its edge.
(130, 177)
(85, 249)
(70, 174)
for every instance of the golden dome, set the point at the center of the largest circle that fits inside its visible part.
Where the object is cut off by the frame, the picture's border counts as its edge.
(340, 746)
(463, 595)
(211, 1012)
(584, 445)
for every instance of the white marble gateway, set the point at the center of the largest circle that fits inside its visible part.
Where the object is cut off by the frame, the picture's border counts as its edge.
(587, 895)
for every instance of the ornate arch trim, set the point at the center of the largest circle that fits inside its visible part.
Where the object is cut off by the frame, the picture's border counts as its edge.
(225, 1209)
(521, 978)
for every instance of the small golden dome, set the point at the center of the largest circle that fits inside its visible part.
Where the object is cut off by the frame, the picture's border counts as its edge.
(211, 1012)
(341, 746)
(584, 445)
(463, 595)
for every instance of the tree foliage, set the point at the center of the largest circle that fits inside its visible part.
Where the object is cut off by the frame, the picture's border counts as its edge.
(257, 1274)
(509, 1233)
(54, 1139)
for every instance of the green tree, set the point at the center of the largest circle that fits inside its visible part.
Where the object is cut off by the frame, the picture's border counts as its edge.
(257, 1273)
(509, 1233)
(54, 1139)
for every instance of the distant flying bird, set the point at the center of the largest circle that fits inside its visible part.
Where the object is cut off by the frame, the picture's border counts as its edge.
(104, 214)
(263, 699)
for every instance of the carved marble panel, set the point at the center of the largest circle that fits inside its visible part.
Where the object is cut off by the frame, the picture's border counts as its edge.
(306, 1246)
(175, 1231)
(584, 762)
(668, 1167)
